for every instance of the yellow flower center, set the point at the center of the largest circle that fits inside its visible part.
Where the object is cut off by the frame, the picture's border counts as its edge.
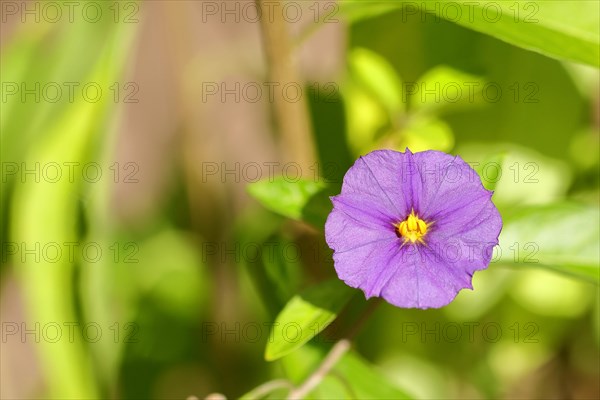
(412, 229)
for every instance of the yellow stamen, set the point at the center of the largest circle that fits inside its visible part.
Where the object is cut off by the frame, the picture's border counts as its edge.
(412, 229)
(412, 222)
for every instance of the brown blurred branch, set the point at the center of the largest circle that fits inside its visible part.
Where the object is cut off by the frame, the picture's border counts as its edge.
(292, 117)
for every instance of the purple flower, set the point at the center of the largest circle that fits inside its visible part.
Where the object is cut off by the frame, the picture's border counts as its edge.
(412, 228)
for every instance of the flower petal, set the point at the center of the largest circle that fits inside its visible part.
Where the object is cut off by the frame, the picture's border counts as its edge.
(384, 176)
(468, 239)
(345, 231)
(423, 279)
(447, 184)
(367, 267)
(365, 210)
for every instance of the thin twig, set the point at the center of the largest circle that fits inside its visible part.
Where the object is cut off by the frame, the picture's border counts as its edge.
(268, 387)
(335, 354)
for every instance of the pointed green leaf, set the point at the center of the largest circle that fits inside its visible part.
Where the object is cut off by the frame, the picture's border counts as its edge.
(423, 133)
(454, 90)
(292, 199)
(558, 29)
(305, 315)
(378, 77)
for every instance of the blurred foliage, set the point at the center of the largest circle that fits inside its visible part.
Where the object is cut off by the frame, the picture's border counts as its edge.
(516, 98)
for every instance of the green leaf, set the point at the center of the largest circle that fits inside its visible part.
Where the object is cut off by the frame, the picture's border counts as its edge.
(559, 29)
(561, 237)
(427, 134)
(443, 88)
(166, 268)
(283, 272)
(525, 177)
(365, 117)
(305, 315)
(329, 126)
(252, 236)
(378, 77)
(296, 200)
(174, 277)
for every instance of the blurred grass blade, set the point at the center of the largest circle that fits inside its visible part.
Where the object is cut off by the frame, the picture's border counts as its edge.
(305, 315)
(43, 213)
(17, 64)
(46, 212)
(561, 237)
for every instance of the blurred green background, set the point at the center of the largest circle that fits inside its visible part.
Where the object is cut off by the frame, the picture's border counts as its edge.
(158, 212)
